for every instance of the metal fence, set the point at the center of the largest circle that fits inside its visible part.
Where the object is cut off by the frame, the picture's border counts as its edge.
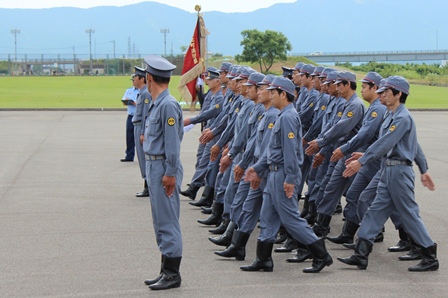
(74, 64)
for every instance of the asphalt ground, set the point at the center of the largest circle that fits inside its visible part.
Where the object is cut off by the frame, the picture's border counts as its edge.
(72, 227)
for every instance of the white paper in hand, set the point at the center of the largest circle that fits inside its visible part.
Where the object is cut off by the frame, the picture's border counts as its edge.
(188, 127)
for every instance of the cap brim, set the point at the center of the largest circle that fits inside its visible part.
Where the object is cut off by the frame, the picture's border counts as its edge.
(338, 81)
(271, 88)
(382, 89)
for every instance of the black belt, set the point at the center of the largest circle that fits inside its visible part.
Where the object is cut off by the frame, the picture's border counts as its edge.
(275, 167)
(137, 122)
(396, 162)
(154, 157)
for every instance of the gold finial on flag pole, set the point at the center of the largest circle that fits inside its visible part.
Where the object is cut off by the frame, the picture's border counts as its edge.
(197, 8)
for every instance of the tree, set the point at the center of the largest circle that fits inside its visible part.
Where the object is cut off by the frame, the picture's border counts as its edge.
(263, 48)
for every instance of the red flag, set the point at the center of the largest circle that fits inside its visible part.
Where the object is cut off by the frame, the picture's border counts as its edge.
(193, 64)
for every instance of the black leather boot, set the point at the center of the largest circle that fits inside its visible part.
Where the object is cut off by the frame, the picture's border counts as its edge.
(289, 245)
(414, 254)
(144, 192)
(170, 275)
(190, 192)
(206, 199)
(338, 209)
(281, 235)
(306, 205)
(403, 244)
(429, 260)
(221, 228)
(215, 218)
(302, 254)
(312, 213)
(322, 225)
(153, 281)
(237, 248)
(349, 245)
(321, 257)
(206, 210)
(348, 233)
(226, 238)
(361, 256)
(263, 260)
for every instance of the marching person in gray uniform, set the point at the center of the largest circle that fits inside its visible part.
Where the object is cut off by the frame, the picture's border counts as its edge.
(346, 128)
(162, 139)
(197, 180)
(316, 125)
(141, 111)
(213, 110)
(396, 187)
(250, 212)
(321, 160)
(297, 80)
(243, 145)
(283, 159)
(366, 136)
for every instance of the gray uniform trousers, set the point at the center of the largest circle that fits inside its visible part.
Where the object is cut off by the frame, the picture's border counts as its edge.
(315, 185)
(277, 209)
(231, 189)
(395, 191)
(334, 189)
(139, 149)
(367, 197)
(222, 179)
(305, 168)
(251, 209)
(201, 169)
(359, 184)
(165, 210)
(240, 197)
(324, 182)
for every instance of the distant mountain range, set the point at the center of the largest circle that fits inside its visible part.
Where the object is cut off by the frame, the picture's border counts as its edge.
(310, 26)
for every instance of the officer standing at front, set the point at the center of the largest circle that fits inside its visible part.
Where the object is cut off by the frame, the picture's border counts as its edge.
(164, 172)
(141, 111)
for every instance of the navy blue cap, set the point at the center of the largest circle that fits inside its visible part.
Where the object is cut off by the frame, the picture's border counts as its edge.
(331, 77)
(213, 74)
(326, 71)
(395, 82)
(299, 66)
(345, 76)
(254, 79)
(225, 66)
(287, 71)
(317, 71)
(159, 66)
(284, 84)
(373, 78)
(211, 68)
(268, 79)
(307, 69)
(138, 71)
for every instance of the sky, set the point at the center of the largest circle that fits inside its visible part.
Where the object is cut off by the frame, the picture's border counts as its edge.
(187, 5)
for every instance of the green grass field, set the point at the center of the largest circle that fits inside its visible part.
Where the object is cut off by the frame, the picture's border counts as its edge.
(106, 92)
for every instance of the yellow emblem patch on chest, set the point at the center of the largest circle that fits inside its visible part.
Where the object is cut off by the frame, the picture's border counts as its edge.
(260, 117)
(270, 125)
(146, 100)
(350, 114)
(374, 114)
(237, 110)
(217, 106)
(291, 135)
(323, 108)
(311, 105)
(339, 114)
(392, 128)
(171, 121)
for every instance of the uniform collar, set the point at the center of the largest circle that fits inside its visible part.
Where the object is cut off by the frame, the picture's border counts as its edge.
(161, 96)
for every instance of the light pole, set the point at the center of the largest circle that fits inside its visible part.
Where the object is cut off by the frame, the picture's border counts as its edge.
(164, 32)
(90, 32)
(15, 32)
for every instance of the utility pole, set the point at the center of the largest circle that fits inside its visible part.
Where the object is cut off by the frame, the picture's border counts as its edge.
(15, 32)
(90, 32)
(164, 32)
